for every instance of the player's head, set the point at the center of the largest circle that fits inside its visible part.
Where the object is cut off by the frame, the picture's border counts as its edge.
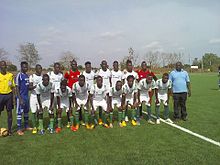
(165, 77)
(88, 67)
(129, 65)
(99, 81)
(3, 66)
(81, 80)
(56, 67)
(63, 85)
(149, 79)
(38, 69)
(104, 65)
(115, 65)
(24, 66)
(118, 85)
(144, 65)
(179, 66)
(45, 79)
(130, 80)
(73, 65)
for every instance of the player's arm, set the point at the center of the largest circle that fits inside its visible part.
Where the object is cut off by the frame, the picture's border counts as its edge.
(31, 84)
(17, 90)
(123, 99)
(135, 101)
(151, 95)
(109, 107)
(189, 88)
(39, 102)
(51, 100)
(156, 95)
(74, 101)
(154, 76)
(58, 101)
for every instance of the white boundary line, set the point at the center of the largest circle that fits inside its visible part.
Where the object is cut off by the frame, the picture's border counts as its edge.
(188, 131)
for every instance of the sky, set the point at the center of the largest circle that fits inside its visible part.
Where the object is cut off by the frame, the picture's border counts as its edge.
(104, 29)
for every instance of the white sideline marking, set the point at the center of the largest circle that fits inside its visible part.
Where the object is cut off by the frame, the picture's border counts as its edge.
(188, 131)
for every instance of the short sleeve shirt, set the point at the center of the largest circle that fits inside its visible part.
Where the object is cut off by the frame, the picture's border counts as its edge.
(7, 83)
(22, 82)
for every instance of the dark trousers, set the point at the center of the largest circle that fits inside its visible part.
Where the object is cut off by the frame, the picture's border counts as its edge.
(180, 105)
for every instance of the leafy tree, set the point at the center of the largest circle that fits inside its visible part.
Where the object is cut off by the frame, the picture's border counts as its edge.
(66, 57)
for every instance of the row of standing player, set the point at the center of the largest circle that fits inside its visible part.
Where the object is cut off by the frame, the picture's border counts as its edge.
(108, 93)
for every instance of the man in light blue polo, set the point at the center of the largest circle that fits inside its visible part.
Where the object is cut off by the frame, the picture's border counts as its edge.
(181, 87)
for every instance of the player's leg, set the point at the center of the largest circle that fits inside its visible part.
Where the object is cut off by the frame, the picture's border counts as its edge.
(119, 109)
(41, 123)
(111, 118)
(9, 107)
(157, 110)
(126, 113)
(26, 115)
(20, 109)
(86, 116)
(33, 107)
(105, 114)
(59, 118)
(51, 125)
(133, 115)
(77, 122)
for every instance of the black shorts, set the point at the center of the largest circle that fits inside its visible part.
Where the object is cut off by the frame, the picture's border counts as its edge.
(6, 100)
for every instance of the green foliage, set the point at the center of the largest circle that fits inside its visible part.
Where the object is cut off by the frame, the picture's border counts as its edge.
(12, 67)
(211, 61)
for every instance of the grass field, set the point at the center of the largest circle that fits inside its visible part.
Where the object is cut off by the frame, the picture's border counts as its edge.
(144, 144)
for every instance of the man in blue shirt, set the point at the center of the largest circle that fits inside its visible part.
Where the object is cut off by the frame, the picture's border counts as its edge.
(22, 88)
(181, 87)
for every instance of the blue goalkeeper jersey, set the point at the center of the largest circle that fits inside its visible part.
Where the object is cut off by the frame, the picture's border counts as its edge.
(22, 81)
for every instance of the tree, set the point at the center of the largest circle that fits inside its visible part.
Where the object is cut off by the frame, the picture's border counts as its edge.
(66, 57)
(153, 59)
(210, 61)
(29, 53)
(3, 54)
(173, 58)
(131, 56)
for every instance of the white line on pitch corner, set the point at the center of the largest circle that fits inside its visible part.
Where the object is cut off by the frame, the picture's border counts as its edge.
(188, 131)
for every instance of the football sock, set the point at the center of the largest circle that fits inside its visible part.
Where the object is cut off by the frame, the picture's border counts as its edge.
(51, 122)
(68, 117)
(123, 115)
(26, 118)
(119, 116)
(138, 112)
(111, 117)
(71, 120)
(19, 121)
(133, 114)
(59, 122)
(149, 112)
(86, 116)
(166, 112)
(104, 117)
(33, 115)
(9, 123)
(77, 117)
(157, 109)
(41, 124)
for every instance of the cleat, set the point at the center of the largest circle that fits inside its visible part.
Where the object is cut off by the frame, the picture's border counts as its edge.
(124, 124)
(150, 122)
(73, 128)
(120, 124)
(100, 122)
(126, 118)
(111, 125)
(77, 127)
(158, 121)
(169, 121)
(92, 126)
(41, 132)
(106, 125)
(133, 122)
(10, 133)
(87, 126)
(51, 130)
(20, 132)
(34, 131)
(68, 125)
(58, 130)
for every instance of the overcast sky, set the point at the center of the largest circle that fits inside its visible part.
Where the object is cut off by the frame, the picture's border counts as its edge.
(105, 29)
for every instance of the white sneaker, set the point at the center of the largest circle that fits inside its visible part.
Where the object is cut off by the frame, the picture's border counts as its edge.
(126, 118)
(111, 125)
(150, 122)
(158, 121)
(169, 121)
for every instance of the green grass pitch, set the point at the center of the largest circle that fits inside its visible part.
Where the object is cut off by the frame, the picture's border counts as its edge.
(144, 144)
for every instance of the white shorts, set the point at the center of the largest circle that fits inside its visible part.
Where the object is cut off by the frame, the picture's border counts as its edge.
(162, 99)
(45, 102)
(116, 102)
(145, 99)
(102, 104)
(33, 103)
(64, 105)
(81, 102)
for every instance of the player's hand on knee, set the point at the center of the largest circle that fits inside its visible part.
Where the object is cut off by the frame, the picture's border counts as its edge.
(157, 101)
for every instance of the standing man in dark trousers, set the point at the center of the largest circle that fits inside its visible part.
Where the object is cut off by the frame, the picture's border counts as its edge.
(181, 87)
(7, 86)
